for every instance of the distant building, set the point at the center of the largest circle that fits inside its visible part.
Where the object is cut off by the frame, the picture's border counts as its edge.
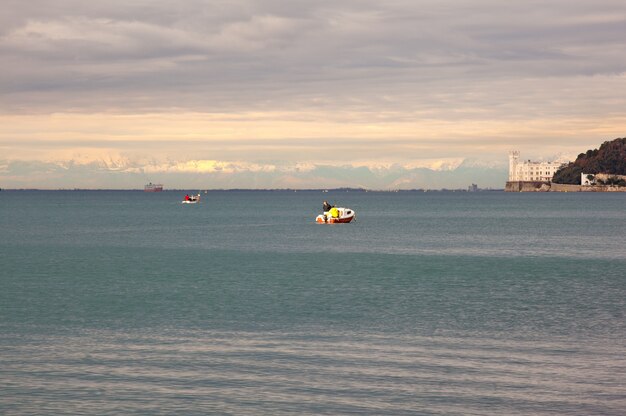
(528, 171)
(587, 179)
(593, 179)
(472, 188)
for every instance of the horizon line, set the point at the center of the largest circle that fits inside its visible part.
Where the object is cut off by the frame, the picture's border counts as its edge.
(323, 190)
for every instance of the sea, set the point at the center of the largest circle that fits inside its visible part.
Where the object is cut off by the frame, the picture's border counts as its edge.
(428, 303)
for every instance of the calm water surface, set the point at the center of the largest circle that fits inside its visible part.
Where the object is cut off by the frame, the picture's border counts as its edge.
(430, 303)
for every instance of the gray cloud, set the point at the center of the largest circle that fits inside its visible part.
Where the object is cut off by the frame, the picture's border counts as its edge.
(211, 56)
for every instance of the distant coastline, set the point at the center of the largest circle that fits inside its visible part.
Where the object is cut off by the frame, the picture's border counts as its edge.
(254, 190)
(597, 170)
(538, 186)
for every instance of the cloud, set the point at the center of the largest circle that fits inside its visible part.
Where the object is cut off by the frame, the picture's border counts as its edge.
(264, 54)
(88, 40)
(101, 39)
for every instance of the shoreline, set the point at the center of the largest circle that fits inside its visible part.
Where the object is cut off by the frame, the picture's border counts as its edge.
(537, 186)
(248, 190)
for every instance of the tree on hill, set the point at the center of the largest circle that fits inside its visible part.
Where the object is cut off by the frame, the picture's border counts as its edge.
(609, 158)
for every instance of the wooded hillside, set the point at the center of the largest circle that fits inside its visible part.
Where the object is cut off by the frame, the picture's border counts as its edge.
(609, 158)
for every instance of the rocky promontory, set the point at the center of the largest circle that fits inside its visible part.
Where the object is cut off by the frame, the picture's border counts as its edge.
(609, 159)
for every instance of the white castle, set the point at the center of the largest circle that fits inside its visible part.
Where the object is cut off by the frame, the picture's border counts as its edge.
(531, 171)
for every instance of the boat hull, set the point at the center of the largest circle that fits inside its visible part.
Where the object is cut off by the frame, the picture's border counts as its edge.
(322, 220)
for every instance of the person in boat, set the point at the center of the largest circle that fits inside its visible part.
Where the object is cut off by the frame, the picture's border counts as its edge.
(330, 211)
(187, 197)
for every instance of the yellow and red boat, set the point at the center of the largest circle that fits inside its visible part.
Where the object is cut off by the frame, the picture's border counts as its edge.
(336, 215)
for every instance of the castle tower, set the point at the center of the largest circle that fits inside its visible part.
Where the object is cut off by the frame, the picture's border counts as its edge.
(513, 161)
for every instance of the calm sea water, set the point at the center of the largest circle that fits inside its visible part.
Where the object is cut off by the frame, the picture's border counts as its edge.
(429, 303)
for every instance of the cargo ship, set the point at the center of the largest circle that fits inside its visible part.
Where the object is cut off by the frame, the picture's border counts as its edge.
(153, 187)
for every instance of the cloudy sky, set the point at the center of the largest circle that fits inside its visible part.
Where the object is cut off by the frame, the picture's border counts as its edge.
(309, 94)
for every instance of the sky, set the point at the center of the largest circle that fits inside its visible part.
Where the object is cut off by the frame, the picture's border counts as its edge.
(397, 94)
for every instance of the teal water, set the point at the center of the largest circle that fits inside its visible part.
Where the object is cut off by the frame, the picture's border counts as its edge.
(429, 303)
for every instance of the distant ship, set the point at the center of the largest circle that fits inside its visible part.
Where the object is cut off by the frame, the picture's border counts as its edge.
(153, 187)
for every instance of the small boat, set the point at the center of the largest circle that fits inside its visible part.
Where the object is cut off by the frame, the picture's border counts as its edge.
(336, 215)
(193, 199)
